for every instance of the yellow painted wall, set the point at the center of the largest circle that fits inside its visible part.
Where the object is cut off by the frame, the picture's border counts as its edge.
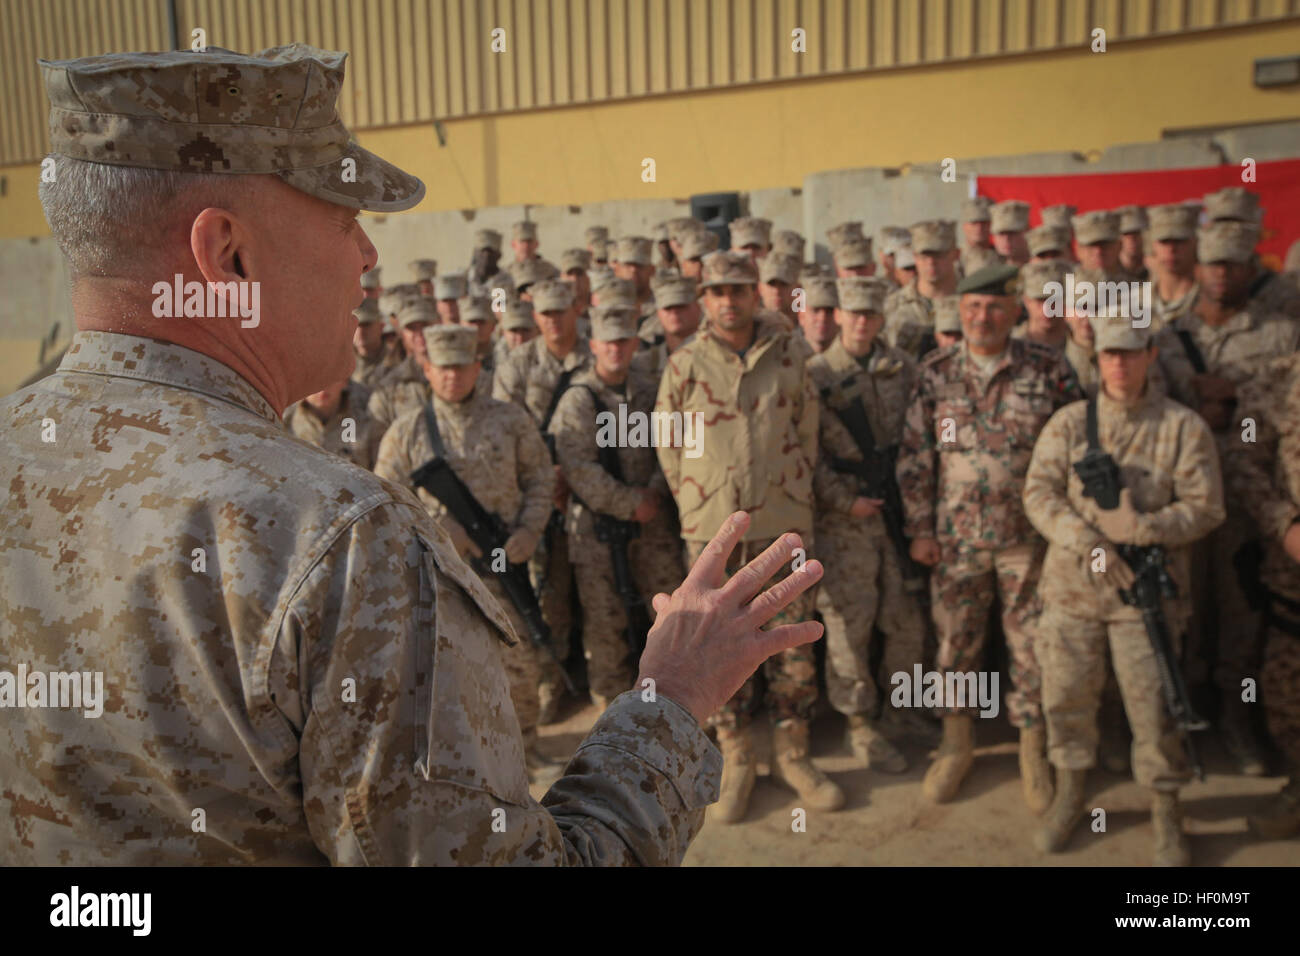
(765, 136)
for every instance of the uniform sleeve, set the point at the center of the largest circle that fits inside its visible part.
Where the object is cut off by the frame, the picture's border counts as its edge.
(835, 491)
(668, 401)
(380, 409)
(1249, 466)
(536, 474)
(1197, 506)
(918, 463)
(509, 383)
(1046, 495)
(392, 461)
(1065, 384)
(807, 418)
(411, 753)
(574, 428)
(1176, 367)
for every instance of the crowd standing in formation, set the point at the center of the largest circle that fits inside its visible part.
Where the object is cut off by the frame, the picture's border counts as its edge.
(944, 377)
(307, 662)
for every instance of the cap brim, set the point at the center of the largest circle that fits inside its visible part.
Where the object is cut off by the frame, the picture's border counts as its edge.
(379, 186)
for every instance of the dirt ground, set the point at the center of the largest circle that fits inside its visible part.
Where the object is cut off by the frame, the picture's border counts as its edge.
(888, 823)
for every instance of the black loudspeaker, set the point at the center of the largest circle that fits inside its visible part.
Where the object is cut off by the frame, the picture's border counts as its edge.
(715, 210)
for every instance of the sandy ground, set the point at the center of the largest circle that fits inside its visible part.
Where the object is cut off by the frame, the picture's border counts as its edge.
(888, 823)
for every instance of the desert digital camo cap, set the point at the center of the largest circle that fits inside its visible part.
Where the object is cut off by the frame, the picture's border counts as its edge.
(1173, 221)
(1232, 203)
(862, 293)
(1115, 331)
(519, 316)
(1227, 241)
(475, 308)
(571, 259)
(728, 268)
(417, 310)
(367, 312)
(750, 231)
(1059, 215)
(1047, 239)
(1034, 276)
(842, 232)
(932, 235)
(552, 295)
(853, 253)
(788, 243)
(618, 292)
(487, 239)
(453, 285)
(633, 249)
(219, 111)
(676, 291)
(820, 292)
(778, 267)
(424, 268)
(609, 323)
(370, 279)
(524, 230)
(1101, 225)
(1010, 216)
(976, 209)
(696, 245)
(451, 344)
(594, 233)
(1131, 218)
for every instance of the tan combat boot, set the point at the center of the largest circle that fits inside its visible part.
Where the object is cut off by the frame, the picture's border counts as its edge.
(871, 747)
(738, 775)
(1280, 819)
(956, 754)
(1167, 822)
(792, 766)
(1035, 771)
(1239, 736)
(1064, 814)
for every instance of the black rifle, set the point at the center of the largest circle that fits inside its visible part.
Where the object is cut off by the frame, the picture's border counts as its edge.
(877, 479)
(617, 533)
(488, 532)
(555, 523)
(1152, 584)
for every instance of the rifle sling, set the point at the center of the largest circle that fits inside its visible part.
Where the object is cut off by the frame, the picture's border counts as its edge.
(1193, 353)
(1094, 438)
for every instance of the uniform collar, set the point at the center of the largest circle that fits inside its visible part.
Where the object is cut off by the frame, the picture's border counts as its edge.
(1109, 407)
(164, 363)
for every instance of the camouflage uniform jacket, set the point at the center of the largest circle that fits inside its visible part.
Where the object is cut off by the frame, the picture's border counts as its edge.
(493, 447)
(884, 387)
(391, 402)
(1264, 474)
(487, 369)
(650, 329)
(407, 370)
(909, 317)
(650, 361)
(328, 687)
(576, 434)
(1235, 350)
(1276, 293)
(370, 371)
(1167, 458)
(366, 433)
(758, 437)
(1163, 312)
(529, 376)
(967, 439)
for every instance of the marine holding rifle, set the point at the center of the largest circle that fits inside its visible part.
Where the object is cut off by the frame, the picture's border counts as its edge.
(1147, 487)
(622, 536)
(864, 385)
(496, 452)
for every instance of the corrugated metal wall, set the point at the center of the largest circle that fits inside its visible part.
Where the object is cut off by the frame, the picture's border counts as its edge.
(418, 60)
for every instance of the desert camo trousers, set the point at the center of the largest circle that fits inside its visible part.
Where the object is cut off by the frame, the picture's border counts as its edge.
(861, 593)
(791, 674)
(1073, 655)
(523, 669)
(1279, 688)
(551, 565)
(962, 587)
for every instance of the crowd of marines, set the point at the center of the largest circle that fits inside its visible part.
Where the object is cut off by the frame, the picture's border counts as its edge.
(946, 362)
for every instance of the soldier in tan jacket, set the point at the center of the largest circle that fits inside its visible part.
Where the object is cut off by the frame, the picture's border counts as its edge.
(743, 379)
(336, 419)
(1173, 496)
(368, 343)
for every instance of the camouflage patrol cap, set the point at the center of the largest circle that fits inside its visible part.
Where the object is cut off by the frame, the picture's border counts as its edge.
(820, 292)
(218, 111)
(905, 258)
(862, 293)
(1227, 241)
(697, 245)
(789, 243)
(610, 323)
(552, 295)
(840, 233)
(947, 314)
(660, 232)
(593, 234)
(417, 310)
(680, 226)
(487, 239)
(600, 277)
(519, 316)
(1115, 331)
(976, 209)
(728, 268)
(980, 258)
(620, 292)
(750, 230)
(390, 303)
(893, 238)
(778, 267)
(1173, 221)
(1034, 276)
(1047, 239)
(405, 292)
(424, 268)
(475, 308)
(524, 230)
(451, 344)
(993, 280)
(634, 249)
(453, 285)
(368, 312)
(1131, 218)
(853, 253)
(1100, 225)
(813, 269)
(571, 259)
(932, 235)
(1010, 216)
(1233, 203)
(370, 279)
(676, 291)
(600, 250)
(1060, 215)
(531, 270)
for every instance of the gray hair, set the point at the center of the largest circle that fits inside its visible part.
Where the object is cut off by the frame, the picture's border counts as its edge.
(106, 218)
